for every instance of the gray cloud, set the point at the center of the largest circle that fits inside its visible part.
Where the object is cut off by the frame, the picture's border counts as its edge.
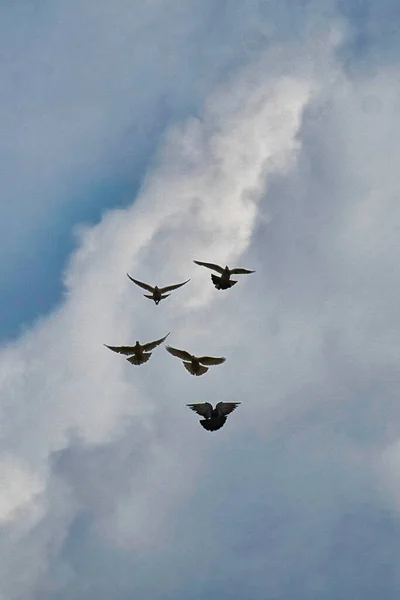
(221, 166)
(116, 488)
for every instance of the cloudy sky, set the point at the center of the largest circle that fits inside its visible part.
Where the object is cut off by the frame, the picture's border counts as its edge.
(136, 137)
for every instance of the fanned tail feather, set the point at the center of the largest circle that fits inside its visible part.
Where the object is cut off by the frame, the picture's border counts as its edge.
(222, 286)
(212, 424)
(216, 280)
(199, 371)
(139, 360)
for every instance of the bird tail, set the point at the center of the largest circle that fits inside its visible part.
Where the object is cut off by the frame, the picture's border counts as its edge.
(139, 360)
(212, 424)
(151, 297)
(199, 371)
(217, 281)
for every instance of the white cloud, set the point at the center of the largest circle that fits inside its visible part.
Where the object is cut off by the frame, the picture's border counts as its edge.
(281, 173)
(19, 487)
(201, 201)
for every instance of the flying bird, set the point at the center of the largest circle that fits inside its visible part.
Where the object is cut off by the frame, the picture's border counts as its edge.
(157, 294)
(224, 282)
(214, 418)
(139, 353)
(194, 364)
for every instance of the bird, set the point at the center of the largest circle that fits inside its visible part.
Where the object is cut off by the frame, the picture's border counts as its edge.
(194, 364)
(215, 418)
(139, 353)
(157, 294)
(224, 282)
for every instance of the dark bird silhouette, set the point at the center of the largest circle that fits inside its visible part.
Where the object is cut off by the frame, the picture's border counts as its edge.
(139, 353)
(194, 364)
(214, 418)
(157, 294)
(224, 282)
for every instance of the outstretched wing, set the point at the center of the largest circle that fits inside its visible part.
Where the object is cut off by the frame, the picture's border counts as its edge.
(152, 345)
(209, 266)
(225, 408)
(169, 288)
(182, 354)
(204, 409)
(145, 286)
(211, 360)
(241, 271)
(122, 349)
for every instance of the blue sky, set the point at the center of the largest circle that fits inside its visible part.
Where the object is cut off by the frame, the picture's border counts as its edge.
(136, 139)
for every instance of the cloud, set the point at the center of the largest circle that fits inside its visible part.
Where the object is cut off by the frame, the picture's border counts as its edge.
(18, 488)
(113, 480)
(90, 90)
(202, 198)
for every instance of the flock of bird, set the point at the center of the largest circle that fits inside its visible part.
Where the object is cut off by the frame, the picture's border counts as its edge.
(214, 418)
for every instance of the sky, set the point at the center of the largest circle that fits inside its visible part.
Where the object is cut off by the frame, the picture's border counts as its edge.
(138, 137)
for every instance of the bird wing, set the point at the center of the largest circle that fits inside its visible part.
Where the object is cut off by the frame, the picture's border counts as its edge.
(211, 360)
(240, 271)
(122, 349)
(204, 409)
(179, 353)
(224, 408)
(209, 266)
(169, 288)
(152, 345)
(145, 286)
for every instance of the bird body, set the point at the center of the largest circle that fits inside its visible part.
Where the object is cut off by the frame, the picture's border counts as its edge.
(195, 364)
(156, 293)
(214, 418)
(223, 282)
(139, 353)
